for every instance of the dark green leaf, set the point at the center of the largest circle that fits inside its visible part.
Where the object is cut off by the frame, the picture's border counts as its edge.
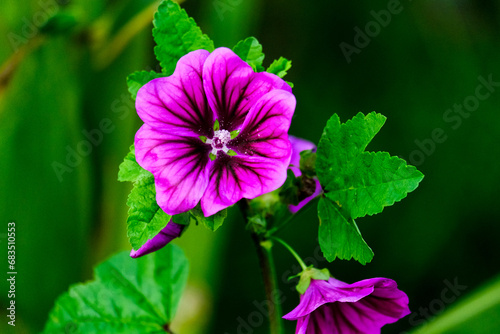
(138, 79)
(339, 144)
(363, 183)
(356, 183)
(176, 34)
(127, 296)
(250, 50)
(371, 182)
(339, 236)
(130, 169)
(280, 67)
(145, 218)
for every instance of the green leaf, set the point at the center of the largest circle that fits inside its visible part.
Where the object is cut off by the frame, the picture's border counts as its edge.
(212, 222)
(250, 50)
(371, 182)
(130, 169)
(356, 183)
(339, 236)
(127, 296)
(339, 144)
(145, 218)
(363, 183)
(138, 79)
(176, 34)
(280, 67)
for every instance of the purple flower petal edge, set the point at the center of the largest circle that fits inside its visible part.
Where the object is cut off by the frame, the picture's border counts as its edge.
(339, 308)
(191, 159)
(299, 145)
(167, 234)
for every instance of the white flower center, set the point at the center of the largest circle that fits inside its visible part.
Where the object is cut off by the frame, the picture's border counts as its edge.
(219, 141)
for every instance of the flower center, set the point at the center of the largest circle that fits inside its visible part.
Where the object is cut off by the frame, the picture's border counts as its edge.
(219, 141)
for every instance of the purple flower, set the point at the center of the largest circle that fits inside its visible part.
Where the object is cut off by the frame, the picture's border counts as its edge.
(334, 307)
(299, 145)
(215, 132)
(167, 234)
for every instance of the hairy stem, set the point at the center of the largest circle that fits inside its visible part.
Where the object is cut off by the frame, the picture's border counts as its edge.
(273, 296)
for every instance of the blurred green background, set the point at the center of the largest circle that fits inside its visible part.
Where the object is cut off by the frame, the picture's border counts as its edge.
(63, 82)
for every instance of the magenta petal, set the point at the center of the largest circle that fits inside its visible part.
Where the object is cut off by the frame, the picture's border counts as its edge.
(232, 87)
(265, 130)
(336, 307)
(167, 234)
(321, 292)
(178, 103)
(234, 178)
(179, 165)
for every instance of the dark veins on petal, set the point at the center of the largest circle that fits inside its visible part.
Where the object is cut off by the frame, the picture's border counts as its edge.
(201, 121)
(243, 143)
(228, 115)
(230, 166)
(198, 153)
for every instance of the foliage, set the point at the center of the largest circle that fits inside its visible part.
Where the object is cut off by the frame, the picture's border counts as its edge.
(126, 296)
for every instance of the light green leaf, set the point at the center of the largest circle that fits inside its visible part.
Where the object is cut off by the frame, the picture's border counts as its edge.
(280, 67)
(250, 50)
(130, 169)
(212, 222)
(145, 218)
(127, 296)
(339, 236)
(138, 79)
(176, 34)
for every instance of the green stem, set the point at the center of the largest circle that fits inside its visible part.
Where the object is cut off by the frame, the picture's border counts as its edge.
(292, 251)
(270, 283)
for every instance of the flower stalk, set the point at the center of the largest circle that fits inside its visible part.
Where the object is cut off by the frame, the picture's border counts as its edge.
(292, 251)
(266, 263)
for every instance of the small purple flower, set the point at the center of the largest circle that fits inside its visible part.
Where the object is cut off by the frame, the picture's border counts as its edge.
(335, 307)
(167, 234)
(215, 131)
(299, 145)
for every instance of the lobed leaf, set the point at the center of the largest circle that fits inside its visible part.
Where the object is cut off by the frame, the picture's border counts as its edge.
(356, 183)
(138, 79)
(126, 296)
(371, 182)
(280, 67)
(339, 236)
(176, 34)
(250, 50)
(130, 169)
